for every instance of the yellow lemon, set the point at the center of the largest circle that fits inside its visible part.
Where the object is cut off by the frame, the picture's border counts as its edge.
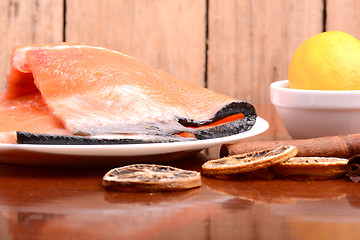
(327, 61)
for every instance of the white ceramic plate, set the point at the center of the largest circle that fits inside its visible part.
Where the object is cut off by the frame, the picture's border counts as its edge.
(104, 155)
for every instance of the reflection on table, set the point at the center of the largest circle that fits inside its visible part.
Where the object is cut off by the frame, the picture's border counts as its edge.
(70, 203)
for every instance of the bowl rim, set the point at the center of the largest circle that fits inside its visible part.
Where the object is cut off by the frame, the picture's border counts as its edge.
(284, 86)
(283, 96)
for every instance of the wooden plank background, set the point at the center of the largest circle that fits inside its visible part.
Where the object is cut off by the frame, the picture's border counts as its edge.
(235, 47)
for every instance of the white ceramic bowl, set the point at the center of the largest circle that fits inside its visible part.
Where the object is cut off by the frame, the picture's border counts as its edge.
(316, 113)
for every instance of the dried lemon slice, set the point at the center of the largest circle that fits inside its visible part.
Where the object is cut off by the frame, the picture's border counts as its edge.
(151, 177)
(249, 161)
(322, 167)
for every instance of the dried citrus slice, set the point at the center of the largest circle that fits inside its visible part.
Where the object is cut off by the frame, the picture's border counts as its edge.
(321, 167)
(151, 177)
(249, 161)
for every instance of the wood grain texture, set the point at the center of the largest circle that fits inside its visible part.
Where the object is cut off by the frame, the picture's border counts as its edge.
(251, 43)
(343, 16)
(25, 22)
(166, 34)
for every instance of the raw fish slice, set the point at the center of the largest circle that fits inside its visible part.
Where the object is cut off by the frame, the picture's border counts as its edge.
(28, 113)
(94, 91)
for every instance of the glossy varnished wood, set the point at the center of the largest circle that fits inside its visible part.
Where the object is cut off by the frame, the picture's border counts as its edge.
(70, 203)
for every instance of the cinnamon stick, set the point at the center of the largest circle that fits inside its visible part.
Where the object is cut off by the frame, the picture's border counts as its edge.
(342, 146)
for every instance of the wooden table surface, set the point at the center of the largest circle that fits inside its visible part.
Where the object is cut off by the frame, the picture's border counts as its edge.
(70, 203)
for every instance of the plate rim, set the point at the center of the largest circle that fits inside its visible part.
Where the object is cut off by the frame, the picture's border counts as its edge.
(260, 126)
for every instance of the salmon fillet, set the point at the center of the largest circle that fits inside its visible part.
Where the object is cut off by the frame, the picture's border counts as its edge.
(84, 90)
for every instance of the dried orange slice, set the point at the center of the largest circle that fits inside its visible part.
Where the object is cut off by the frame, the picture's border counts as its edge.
(249, 161)
(317, 167)
(151, 177)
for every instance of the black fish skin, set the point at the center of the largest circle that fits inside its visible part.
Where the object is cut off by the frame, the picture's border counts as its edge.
(228, 110)
(50, 139)
(224, 130)
(227, 129)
